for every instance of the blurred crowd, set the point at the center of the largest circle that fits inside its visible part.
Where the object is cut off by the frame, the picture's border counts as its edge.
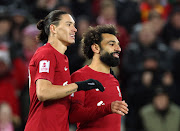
(149, 35)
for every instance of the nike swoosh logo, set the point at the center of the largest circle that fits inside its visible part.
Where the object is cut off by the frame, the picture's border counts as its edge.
(65, 68)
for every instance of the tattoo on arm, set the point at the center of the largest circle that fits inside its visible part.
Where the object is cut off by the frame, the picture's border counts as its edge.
(72, 91)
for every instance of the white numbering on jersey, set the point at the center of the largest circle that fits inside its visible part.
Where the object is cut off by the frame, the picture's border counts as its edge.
(65, 84)
(29, 78)
(119, 91)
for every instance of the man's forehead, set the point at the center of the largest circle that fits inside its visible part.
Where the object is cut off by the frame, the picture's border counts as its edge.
(109, 37)
(67, 18)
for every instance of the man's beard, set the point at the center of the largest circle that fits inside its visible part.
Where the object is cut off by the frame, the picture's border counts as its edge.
(109, 59)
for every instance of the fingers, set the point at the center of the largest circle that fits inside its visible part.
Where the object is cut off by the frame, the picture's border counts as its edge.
(119, 112)
(119, 107)
(99, 86)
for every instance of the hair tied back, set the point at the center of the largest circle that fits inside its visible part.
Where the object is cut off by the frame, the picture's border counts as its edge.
(40, 25)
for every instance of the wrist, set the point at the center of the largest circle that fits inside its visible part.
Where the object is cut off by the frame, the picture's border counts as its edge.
(108, 108)
(74, 85)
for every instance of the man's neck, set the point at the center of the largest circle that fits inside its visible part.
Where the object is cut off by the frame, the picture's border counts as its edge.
(58, 45)
(99, 66)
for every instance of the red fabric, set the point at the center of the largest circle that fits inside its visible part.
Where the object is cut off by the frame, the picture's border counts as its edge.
(20, 73)
(7, 94)
(168, 9)
(49, 115)
(96, 7)
(87, 113)
(89, 100)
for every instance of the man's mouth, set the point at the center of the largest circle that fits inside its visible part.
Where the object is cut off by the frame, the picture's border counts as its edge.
(72, 36)
(116, 54)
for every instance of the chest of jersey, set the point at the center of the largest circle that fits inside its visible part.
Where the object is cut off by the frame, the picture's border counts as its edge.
(112, 92)
(62, 73)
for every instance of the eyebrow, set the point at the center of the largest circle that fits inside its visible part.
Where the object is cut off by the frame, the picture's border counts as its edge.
(69, 22)
(113, 42)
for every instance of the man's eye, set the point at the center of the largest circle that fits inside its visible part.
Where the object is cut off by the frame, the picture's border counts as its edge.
(69, 24)
(111, 44)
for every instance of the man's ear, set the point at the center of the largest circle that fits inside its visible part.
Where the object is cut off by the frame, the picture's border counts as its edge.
(52, 28)
(95, 48)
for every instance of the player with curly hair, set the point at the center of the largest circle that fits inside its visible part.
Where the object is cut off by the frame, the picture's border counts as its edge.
(94, 110)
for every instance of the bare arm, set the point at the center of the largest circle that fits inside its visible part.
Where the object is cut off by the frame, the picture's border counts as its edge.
(45, 90)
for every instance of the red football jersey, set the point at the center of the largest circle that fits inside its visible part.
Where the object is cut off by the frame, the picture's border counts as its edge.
(47, 63)
(94, 98)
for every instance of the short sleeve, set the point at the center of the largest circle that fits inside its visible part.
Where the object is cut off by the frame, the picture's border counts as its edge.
(45, 66)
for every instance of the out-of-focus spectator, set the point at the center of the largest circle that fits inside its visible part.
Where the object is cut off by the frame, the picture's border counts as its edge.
(161, 114)
(143, 63)
(29, 42)
(5, 28)
(167, 81)
(7, 86)
(108, 16)
(139, 90)
(6, 2)
(146, 43)
(64, 7)
(128, 13)
(42, 8)
(81, 7)
(154, 20)
(107, 13)
(175, 46)
(6, 122)
(95, 7)
(148, 5)
(29, 46)
(172, 4)
(20, 18)
(171, 30)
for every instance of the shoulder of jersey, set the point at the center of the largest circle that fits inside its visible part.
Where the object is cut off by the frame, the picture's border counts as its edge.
(80, 71)
(44, 49)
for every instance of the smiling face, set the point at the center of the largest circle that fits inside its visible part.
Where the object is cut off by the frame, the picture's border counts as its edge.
(65, 31)
(110, 50)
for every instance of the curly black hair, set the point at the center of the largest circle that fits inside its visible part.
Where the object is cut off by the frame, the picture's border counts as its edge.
(94, 35)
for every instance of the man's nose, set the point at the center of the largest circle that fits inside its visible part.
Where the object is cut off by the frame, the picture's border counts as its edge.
(118, 48)
(74, 29)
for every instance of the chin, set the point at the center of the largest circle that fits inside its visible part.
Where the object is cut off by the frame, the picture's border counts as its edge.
(70, 43)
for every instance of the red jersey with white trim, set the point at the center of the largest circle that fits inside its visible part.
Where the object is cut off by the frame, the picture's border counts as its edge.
(47, 63)
(94, 98)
